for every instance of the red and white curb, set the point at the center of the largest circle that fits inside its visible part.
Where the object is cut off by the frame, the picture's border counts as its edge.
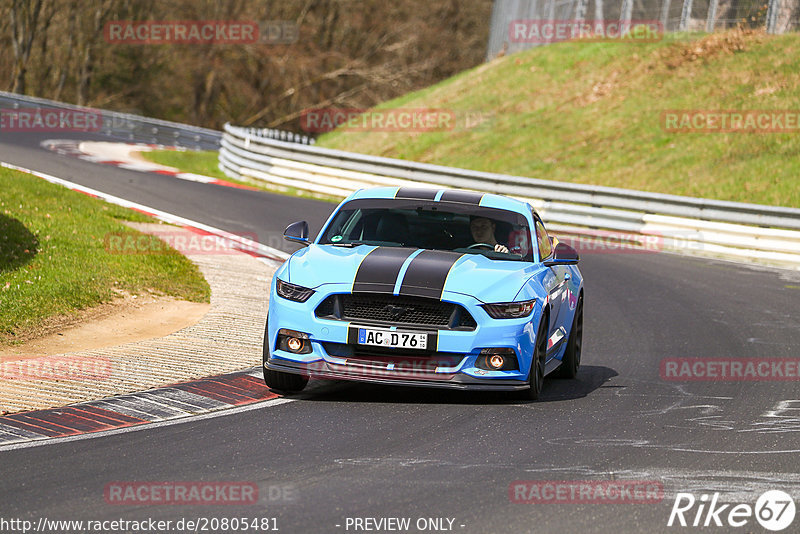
(198, 399)
(122, 155)
(162, 405)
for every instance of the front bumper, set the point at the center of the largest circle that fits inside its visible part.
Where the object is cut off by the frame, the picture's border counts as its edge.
(325, 370)
(451, 362)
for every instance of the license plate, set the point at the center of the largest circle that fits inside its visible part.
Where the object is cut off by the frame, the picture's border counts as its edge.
(392, 338)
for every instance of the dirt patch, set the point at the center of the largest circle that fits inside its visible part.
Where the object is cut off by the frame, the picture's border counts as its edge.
(715, 44)
(127, 319)
(678, 56)
(599, 90)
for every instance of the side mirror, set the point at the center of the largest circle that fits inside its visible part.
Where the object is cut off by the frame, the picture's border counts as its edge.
(297, 232)
(563, 255)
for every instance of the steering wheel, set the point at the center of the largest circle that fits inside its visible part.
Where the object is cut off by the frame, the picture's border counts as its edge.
(484, 245)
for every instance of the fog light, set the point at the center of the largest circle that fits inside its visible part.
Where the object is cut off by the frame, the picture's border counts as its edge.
(496, 361)
(294, 344)
(293, 341)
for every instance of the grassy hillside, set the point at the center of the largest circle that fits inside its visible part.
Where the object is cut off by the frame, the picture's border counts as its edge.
(591, 113)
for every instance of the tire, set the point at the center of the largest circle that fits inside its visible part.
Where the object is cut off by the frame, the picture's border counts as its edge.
(536, 374)
(277, 380)
(285, 382)
(572, 355)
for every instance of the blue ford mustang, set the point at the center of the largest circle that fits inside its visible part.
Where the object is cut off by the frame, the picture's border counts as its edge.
(425, 287)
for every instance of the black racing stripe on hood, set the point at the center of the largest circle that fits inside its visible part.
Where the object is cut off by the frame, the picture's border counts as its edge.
(416, 193)
(379, 269)
(427, 273)
(463, 197)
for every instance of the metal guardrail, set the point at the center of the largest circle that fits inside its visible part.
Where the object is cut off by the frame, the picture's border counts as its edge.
(126, 126)
(697, 226)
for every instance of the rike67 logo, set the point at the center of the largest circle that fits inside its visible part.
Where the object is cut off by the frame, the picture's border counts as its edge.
(774, 510)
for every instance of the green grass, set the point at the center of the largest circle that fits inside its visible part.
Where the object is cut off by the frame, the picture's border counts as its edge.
(205, 162)
(591, 113)
(54, 262)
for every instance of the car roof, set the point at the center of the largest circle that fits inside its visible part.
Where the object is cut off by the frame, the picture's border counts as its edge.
(431, 193)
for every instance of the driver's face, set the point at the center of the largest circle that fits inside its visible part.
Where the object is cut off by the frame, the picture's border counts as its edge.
(482, 230)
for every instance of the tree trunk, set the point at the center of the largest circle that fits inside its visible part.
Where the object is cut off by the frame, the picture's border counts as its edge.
(24, 25)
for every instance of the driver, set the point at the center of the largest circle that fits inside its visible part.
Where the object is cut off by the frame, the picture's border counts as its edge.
(483, 232)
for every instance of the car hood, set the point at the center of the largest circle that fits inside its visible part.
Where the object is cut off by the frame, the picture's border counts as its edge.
(469, 274)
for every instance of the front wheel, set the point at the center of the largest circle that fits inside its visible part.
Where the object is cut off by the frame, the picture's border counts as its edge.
(286, 382)
(536, 375)
(572, 354)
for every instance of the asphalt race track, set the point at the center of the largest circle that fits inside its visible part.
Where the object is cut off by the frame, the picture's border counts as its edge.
(345, 450)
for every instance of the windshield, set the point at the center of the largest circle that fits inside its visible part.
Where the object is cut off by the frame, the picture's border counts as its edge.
(498, 234)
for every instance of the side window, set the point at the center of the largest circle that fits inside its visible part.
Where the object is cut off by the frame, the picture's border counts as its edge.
(545, 247)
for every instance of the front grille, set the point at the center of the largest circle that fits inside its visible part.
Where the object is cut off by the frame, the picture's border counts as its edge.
(395, 309)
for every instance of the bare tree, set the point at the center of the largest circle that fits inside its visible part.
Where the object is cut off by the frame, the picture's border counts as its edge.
(350, 53)
(94, 17)
(24, 16)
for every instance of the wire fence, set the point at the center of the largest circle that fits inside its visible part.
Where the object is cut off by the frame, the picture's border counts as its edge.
(775, 16)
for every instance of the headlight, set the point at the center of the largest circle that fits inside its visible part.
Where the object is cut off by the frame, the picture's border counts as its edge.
(509, 310)
(292, 291)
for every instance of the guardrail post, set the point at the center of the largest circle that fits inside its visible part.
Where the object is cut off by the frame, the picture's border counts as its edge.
(664, 14)
(772, 15)
(712, 16)
(580, 10)
(686, 14)
(626, 12)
